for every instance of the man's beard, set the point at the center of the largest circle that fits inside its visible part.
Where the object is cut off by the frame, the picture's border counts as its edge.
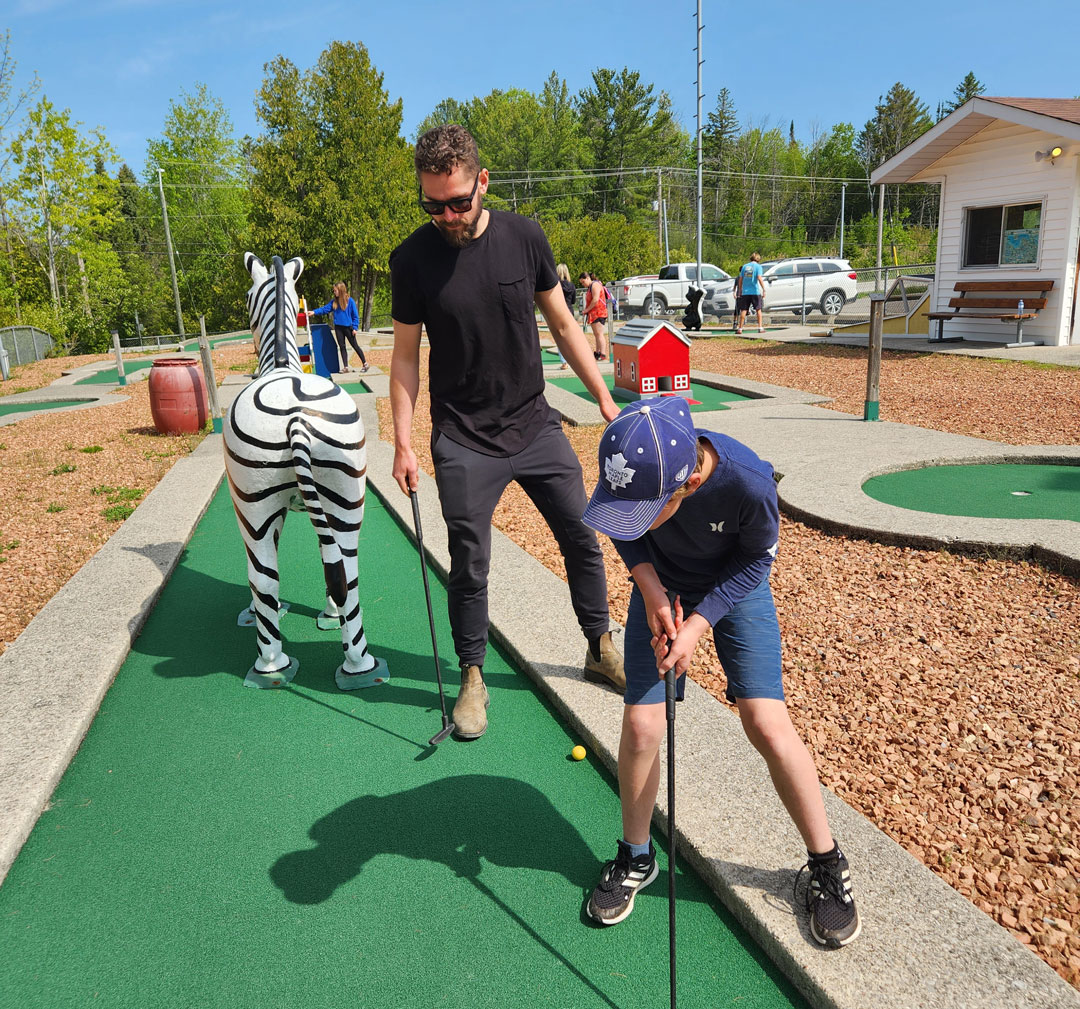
(460, 237)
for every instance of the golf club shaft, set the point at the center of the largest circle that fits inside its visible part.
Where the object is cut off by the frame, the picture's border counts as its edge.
(669, 691)
(427, 598)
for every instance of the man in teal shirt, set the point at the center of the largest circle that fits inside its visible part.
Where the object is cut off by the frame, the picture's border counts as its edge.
(751, 291)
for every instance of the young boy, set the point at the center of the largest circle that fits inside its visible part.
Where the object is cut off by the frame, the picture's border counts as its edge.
(694, 517)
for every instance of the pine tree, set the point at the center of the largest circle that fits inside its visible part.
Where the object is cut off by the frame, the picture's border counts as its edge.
(970, 87)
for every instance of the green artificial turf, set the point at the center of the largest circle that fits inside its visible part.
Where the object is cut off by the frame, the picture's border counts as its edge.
(218, 846)
(110, 376)
(998, 490)
(355, 387)
(710, 398)
(55, 404)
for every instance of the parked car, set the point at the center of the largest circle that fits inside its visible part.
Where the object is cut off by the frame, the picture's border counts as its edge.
(821, 283)
(667, 290)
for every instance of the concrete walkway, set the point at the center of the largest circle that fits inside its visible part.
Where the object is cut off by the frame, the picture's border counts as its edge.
(922, 944)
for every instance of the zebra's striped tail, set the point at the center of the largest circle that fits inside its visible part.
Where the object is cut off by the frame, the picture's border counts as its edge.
(333, 565)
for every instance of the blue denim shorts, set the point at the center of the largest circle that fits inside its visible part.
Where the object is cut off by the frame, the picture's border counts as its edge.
(747, 640)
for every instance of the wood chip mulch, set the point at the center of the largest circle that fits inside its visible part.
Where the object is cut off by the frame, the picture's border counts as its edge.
(939, 694)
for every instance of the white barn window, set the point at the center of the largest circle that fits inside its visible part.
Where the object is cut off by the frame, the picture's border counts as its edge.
(648, 384)
(1002, 235)
(682, 381)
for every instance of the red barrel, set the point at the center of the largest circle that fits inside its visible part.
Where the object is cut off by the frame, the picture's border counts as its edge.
(178, 401)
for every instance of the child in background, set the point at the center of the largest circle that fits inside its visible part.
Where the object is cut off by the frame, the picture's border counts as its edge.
(694, 517)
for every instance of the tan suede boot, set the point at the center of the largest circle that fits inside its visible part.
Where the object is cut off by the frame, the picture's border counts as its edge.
(470, 711)
(609, 669)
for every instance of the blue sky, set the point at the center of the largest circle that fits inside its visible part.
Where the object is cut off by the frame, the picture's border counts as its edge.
(117, 63)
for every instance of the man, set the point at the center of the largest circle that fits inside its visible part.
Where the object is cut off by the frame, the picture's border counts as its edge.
(471, 277)
(752, 291)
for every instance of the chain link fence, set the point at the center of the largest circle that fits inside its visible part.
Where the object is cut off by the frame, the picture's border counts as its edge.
(25, 343)
(801, 293)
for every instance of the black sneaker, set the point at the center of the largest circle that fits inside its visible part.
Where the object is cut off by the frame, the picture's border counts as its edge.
(620, 880)
(834, 922)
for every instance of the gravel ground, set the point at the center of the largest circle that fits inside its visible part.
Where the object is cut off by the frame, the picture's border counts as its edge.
(940, 694)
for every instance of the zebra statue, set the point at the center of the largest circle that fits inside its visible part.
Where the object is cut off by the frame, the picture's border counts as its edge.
(296, 440)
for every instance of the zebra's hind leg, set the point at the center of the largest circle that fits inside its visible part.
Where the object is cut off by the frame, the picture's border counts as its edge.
(330, 618)
(360, 668)
(246, 617)
(273, 668)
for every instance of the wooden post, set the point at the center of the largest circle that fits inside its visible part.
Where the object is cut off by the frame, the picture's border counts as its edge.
(119, 358)
(873, 366)
(208, 374)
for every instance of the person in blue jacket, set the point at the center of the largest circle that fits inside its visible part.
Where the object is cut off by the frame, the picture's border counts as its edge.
(694, 516)
(346, 324)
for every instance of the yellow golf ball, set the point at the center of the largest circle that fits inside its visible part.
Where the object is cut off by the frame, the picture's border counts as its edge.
(578, 753)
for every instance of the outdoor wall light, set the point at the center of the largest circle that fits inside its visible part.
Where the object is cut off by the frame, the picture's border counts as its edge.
(1049, 154)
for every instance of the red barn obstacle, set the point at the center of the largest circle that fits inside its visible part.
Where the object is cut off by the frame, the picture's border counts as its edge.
(652, 358)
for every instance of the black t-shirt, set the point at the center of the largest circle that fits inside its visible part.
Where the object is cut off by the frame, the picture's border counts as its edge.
(486, 377)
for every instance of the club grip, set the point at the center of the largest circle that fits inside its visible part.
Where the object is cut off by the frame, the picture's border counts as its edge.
(670, 679)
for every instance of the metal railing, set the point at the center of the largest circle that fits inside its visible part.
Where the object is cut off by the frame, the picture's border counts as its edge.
(24, 344)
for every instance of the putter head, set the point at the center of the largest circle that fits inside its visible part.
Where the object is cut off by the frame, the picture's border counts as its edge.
(444, 733)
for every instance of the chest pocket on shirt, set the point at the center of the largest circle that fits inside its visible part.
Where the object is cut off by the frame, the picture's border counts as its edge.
(517, 299)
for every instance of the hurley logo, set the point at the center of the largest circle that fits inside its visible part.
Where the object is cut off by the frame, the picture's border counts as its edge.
(717, 527)
(616, 472)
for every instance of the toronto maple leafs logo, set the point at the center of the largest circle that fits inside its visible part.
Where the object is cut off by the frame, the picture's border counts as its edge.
(616, 472)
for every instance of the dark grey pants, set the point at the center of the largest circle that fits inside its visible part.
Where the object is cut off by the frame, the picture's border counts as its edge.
(470, 485)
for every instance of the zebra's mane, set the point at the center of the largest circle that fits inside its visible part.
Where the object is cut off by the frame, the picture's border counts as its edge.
(272, 308)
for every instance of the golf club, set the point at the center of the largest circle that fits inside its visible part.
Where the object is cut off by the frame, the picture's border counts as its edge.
(669, 690)
(447, 725)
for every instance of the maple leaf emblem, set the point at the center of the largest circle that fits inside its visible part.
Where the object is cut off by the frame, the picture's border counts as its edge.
(616, 472)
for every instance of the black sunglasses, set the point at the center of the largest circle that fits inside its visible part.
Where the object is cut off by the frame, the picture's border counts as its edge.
(461, 205)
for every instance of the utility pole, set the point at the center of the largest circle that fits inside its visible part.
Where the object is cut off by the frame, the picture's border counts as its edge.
(699, 204)
(168, 243)
(843, 193)
(659, 211)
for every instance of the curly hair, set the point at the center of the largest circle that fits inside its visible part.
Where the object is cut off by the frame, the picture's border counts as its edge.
(443, 148)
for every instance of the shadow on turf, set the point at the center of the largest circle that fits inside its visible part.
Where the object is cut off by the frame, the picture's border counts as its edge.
(454, 821)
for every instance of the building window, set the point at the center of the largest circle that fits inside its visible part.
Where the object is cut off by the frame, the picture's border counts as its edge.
(682, 381)
(648, 384)
(618, 367)
(633, 371)
(1003, 235)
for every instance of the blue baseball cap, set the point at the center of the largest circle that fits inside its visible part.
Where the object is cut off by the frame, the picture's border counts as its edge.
(646, 454)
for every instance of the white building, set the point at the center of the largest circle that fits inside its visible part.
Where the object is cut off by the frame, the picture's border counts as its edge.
(1009, 170)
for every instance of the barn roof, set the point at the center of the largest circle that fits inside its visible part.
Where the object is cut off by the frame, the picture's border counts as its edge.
(1057, 116)
(638, 332)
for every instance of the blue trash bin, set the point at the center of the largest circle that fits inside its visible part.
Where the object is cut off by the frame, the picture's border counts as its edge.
(324, 350)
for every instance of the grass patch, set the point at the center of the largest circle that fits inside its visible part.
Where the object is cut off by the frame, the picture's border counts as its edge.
(158, 455)
(54, 507)
(64, 467)
(10, 545)
(118, 512)
(91, 449)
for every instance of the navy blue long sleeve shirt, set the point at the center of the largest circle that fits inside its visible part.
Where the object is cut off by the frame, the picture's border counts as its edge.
(721, 542)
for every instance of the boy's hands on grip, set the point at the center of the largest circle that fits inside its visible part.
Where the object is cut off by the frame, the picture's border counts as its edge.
(674, 651)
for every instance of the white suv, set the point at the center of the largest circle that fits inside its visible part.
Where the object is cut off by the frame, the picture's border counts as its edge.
(818, 282)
